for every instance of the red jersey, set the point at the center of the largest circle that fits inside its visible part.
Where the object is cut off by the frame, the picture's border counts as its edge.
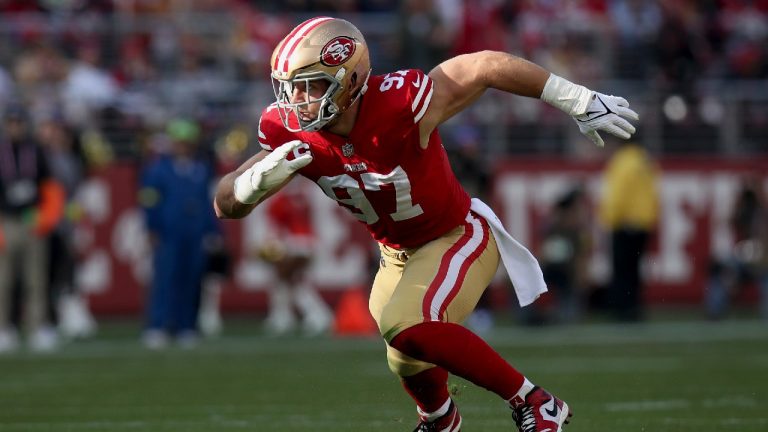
(405, 195)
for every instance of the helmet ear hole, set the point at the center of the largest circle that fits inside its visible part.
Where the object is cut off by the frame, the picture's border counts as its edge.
(353, 85)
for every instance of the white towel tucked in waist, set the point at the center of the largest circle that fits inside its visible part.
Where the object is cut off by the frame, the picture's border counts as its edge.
(521, 265)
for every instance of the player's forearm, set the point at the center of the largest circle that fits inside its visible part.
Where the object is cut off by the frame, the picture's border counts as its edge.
(225, 203)
(509, 73)
(519, 76)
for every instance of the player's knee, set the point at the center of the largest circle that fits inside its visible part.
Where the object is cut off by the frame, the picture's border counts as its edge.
(404, 366)
(393, 321)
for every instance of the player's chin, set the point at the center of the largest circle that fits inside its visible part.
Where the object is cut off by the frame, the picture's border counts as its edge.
(306, 117)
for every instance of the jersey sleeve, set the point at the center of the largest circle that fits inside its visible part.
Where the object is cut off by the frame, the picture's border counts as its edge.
(418, 94)
(409, 92)
(271, 131)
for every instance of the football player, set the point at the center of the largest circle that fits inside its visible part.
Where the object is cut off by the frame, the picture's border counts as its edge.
(371, 143)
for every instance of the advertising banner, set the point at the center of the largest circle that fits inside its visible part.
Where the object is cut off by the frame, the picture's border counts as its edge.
(696, 199)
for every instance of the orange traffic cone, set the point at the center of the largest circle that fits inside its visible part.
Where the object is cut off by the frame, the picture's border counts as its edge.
(352, 316)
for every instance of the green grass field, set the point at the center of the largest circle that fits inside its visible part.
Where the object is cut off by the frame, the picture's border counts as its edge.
(671, 376)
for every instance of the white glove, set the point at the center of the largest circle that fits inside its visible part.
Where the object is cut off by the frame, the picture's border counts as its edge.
(269, 172)
(594, 112)
(606, 113)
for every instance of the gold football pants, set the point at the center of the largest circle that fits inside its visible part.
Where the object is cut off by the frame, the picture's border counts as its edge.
(439, 281)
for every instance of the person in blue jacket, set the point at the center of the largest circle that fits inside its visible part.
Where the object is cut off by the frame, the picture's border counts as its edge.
(176, 198)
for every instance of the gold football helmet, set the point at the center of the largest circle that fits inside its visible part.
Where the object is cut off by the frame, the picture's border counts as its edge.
(320, 49)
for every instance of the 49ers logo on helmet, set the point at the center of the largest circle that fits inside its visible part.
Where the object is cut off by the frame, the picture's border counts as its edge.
(337, 51)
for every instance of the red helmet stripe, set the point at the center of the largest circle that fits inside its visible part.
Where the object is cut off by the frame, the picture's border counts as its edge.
(288, 38)
(293, 39)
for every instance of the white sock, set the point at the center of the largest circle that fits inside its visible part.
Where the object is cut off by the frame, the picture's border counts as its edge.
(519, 398)
(435, 414)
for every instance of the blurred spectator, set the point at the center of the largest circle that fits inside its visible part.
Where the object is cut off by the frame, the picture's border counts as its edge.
(218, 269)
(31, 204)
(748, 262)
(465, 152)
(254, 36)
(67, 305)
(6, 88)
(564, 254)
(482, 24)
(629, 210)
(197, 84)
(38, 71)
(87, 87)
(746, 26)
(637, 24)
(134, 63)
(677, 55)
(175, 195)
(289, 250)
(425, 39)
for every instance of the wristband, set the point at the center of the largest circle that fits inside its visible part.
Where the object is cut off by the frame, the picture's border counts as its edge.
(566, 96)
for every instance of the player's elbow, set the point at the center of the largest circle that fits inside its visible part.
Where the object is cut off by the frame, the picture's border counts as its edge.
(220, 214)
(217, 211)
(228, 207)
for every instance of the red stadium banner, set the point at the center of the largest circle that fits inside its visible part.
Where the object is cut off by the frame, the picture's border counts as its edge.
(697, 195)
(115, 262)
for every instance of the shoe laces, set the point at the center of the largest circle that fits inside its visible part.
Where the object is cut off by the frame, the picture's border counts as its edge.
(524, 419)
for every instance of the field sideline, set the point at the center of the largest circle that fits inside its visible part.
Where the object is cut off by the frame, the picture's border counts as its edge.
(655, 377)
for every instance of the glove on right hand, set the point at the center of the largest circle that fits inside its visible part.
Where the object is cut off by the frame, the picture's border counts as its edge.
(269, 172)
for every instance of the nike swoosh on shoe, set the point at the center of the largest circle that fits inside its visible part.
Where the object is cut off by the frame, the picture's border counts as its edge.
(552, 412)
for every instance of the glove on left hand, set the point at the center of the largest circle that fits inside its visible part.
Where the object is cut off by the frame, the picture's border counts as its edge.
(606, 113)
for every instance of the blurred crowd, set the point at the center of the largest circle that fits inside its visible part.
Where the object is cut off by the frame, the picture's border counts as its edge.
(176, 87)
(121, 69)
